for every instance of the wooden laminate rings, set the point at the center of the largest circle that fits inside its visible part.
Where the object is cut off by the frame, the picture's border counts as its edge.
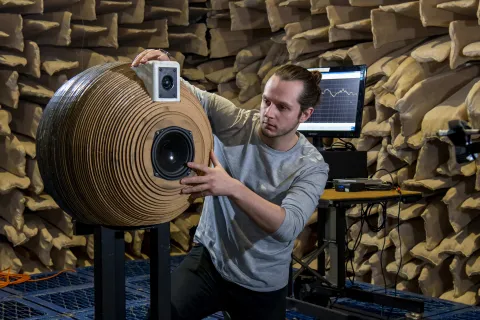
(111, 156)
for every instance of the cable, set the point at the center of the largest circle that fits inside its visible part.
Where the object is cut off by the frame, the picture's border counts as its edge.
(383, 249)
(8, 279)
(383, 225)
(387, 185)
(351, 253)
(373, 228)
(398, 189)
(365, 214)
(381, 253)
(342, 145)
(400, 248)
(377, 229)
(389, 172)
(356, 244)
(364, 218)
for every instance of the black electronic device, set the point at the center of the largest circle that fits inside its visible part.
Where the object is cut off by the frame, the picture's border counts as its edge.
(361, 184)
(339, 113)
(459, 132)
(346, 164)
(350, 187)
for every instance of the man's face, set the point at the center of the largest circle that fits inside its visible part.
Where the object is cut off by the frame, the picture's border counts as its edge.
(280, 110)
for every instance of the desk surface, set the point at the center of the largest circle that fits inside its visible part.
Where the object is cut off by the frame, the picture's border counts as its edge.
(335, 196)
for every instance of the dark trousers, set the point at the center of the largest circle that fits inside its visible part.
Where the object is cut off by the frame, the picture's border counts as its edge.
(198, 291)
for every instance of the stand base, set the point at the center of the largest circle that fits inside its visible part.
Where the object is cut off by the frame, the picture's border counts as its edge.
(109, 270)
(313, 298)
(313, 290)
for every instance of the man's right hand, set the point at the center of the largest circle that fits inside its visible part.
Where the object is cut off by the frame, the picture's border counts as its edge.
(150, 54)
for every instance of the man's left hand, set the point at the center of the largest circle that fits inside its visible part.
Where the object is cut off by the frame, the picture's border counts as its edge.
(210, 181)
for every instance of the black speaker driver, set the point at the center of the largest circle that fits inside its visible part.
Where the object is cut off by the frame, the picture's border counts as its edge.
(172, 148)
(167, 82)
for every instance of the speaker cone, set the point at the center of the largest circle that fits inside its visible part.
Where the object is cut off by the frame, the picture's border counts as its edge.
(167, 82)
(172, 148)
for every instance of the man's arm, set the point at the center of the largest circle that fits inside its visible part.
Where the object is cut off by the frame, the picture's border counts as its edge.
(283, 222)
(224, 116)
(264, 213)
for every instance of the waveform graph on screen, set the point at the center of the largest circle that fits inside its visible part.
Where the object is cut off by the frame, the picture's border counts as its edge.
(338, 102)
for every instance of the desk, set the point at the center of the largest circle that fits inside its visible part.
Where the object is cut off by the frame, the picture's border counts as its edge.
(342, 198)
(331, 233)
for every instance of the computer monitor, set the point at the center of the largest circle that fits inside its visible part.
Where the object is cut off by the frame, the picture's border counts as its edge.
(339, 113)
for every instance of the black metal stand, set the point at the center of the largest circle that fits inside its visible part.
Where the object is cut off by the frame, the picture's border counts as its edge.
(109, 270)
(331, 233)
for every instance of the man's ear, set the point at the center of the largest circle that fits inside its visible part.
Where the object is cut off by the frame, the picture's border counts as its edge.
(306, 114)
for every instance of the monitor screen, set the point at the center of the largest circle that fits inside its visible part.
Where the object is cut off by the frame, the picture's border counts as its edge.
(339, 113)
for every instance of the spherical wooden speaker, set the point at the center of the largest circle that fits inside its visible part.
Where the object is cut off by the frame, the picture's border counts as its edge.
(109, 155)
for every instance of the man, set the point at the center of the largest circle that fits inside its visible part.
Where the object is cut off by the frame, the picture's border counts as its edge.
(264, 185)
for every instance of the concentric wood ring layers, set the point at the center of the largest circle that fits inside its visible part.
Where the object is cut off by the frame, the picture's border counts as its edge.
(94, 148)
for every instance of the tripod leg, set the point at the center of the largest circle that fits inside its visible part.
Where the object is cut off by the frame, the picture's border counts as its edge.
(160, 287)
(109, 272)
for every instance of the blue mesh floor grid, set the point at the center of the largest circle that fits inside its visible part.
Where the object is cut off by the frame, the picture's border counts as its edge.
(132, 269)
(360, 285)
(432, 306)
(133, 311)
(139, 311)
(4, 294)
(136, 311)
(86, 270)
(470, 313)
(80, 298)
(136, 268)
(72, 295)
(291, 315)
(66, 279)
(17, 308)
(139, 283)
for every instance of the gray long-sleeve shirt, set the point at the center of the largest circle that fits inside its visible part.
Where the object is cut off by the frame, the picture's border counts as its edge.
(241, 251)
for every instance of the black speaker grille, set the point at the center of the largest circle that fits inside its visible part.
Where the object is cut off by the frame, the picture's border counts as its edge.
(172, 148)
